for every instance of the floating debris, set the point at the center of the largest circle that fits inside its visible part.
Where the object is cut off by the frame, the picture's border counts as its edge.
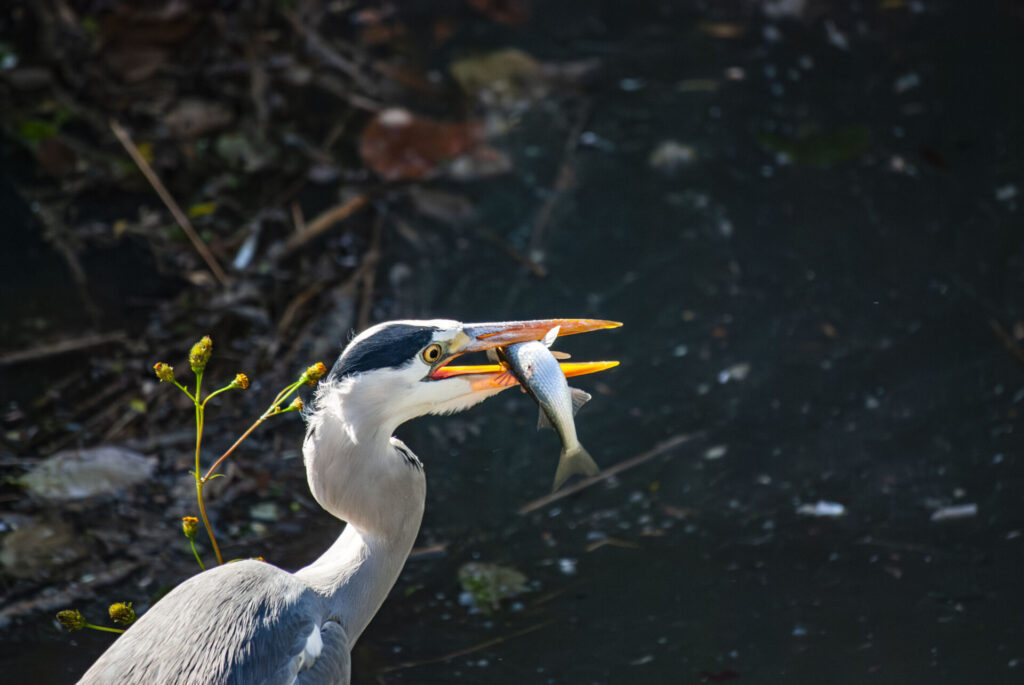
(33, 550)
(906, 82)
(716, 452)
(1006, 193)
(957, 511)
(822, 508)
(77, 474)
(486, 585)
(671, 155)
(736, 372)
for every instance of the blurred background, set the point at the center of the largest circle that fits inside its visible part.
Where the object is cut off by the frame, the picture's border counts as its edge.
(806, 212)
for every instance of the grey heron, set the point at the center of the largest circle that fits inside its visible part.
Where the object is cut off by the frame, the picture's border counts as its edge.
(250, 622)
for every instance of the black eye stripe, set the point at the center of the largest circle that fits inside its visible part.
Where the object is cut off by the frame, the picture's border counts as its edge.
(392, 347)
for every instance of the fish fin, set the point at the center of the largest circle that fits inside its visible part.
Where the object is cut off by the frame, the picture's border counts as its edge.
(578, 461)
(579, 398)
(543, 421)
(492, 355)
(549, 337)
(557, 354)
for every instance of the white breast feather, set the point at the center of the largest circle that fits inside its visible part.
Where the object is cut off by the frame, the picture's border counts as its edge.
(310, 651)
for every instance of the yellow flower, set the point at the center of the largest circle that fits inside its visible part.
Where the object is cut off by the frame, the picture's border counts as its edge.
(314, 373)
(200, 354)
(297, 404)
(122, 613)
(165, 372)
(241, 381)
(190, 525)
(71, 619)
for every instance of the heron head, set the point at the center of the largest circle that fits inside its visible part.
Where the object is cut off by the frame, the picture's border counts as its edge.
(402, 369)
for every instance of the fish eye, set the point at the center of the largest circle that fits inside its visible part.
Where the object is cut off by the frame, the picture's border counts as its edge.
(431, 353)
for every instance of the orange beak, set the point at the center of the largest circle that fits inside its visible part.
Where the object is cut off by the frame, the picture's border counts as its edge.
(487, 336)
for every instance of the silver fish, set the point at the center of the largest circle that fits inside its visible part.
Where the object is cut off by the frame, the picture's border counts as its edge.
(537, 370)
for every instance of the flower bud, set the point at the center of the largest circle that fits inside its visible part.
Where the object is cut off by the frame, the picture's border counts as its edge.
(164, 372)
(122, 613)
(297, 404)
(314, 373)
(71, 619)
(241, 381)
(190, 525)
(200, 354)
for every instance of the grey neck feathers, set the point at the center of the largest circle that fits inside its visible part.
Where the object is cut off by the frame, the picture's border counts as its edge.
(358, 474)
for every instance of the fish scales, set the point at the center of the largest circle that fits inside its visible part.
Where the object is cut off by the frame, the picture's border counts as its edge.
(540, 374)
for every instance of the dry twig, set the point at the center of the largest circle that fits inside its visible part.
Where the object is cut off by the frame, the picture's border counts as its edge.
(371, 258)
(1008, 342)
(563, 179)
(59, 348)
(486, 644)
(660, 448)
(161, 190)
(323, 222)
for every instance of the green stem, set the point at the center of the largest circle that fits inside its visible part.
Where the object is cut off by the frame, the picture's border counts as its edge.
(104, 628)
(184, 390)
(215, 393)
(199, 561)
(200, 418)
(272, 410)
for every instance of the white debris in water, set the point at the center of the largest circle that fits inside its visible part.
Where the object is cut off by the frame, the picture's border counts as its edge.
(670, 155)
(835, 36)
(77, 474)
(799, 631)
(735, 74)
(958, 511)
(631, 85)
(716, 452)
(567, 566)
(646, 659)
(783, 8)
(680, 350)
(1006, 193)
(906, 82)
(736, 372)
(822, 508)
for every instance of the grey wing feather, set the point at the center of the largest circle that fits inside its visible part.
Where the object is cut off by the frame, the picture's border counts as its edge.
(334, 665)
(241, 623)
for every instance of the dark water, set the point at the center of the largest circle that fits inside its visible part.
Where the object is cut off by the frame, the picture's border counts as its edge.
(847, 229)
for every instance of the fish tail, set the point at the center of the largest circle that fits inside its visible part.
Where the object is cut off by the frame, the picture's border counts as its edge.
(572, 462)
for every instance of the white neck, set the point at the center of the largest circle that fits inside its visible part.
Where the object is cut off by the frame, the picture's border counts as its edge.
(364, 479)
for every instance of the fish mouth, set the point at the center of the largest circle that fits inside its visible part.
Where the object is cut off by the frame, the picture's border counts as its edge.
(487, 336)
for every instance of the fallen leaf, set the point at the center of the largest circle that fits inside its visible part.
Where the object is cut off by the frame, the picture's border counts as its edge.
(399, 145)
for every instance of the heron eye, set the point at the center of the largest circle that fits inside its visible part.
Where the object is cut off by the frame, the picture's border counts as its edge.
(432, 353)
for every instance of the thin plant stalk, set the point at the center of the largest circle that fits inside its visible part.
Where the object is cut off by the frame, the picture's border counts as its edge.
(103, 628)
(199, 559)
(200, 419)
(272, 410)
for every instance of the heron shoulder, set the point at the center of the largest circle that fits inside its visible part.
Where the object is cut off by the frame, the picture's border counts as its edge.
(252, 619)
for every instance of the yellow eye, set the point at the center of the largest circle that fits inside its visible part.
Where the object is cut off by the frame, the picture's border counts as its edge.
(432, 353)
